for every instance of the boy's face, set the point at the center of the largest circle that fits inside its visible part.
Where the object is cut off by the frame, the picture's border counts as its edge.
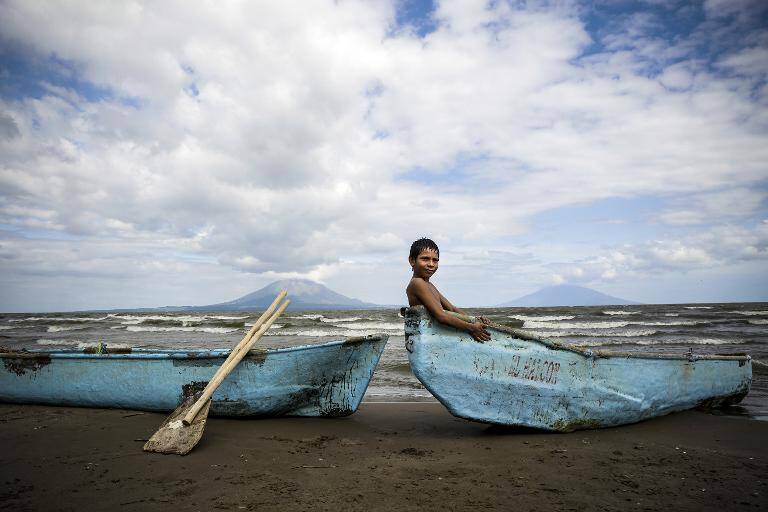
(425, 264)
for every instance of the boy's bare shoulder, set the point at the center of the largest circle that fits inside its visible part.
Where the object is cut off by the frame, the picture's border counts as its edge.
(417, 282)
(415, 285)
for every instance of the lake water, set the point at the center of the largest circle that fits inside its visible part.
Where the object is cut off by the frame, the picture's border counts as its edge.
(705, 328)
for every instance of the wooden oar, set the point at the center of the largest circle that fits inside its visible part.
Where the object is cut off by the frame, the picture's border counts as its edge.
(182, 430)
(247, 338)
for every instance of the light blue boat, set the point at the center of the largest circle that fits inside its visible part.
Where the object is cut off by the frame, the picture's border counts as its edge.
(520, 379)
(327, 379)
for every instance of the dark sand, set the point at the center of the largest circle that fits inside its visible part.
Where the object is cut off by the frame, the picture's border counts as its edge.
(384, 457)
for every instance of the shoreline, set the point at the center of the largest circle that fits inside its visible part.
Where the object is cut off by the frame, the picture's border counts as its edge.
(410, 456)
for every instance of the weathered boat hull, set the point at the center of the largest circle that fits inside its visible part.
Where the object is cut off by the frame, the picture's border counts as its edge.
(328, 379)
(519, 379)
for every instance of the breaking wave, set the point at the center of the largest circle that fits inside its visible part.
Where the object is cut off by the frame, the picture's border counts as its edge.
(321, 333)
(621, 312)
(60, 319)
(342, 319)
(211, 330)
(46, 341)
(628, 333)
(529, 324)
(385, 326)
(648, 342)
(542, 318)
(60, 328)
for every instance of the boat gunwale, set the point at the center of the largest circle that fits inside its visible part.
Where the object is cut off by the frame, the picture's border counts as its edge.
(421, 311)
(145, 353)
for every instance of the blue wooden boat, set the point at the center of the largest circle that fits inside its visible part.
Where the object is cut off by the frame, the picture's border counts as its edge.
(520, 379)
(326, 379)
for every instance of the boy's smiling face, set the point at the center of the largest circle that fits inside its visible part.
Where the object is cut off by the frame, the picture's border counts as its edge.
(425, 264)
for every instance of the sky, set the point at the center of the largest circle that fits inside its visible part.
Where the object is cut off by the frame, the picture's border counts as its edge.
(187, 153)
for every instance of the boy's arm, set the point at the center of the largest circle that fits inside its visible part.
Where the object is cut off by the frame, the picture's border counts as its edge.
(450, 307)
(435, 308)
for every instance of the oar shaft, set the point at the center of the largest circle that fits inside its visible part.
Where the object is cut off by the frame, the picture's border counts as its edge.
(256, 326)
(230, 364)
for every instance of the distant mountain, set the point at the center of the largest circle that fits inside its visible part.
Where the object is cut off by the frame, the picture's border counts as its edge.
(303, 293)
(566, 295)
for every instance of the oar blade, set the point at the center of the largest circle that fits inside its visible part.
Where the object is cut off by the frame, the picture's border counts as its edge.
(175, 437)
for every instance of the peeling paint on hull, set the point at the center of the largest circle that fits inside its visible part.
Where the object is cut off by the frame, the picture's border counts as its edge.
(327, 379)
(519, 379)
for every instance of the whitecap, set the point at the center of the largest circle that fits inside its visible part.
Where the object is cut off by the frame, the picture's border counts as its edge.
(387, 326)
(758, 322)
(342, 333)
(656, 342)
(699, 341)
(58, 319)
(671, 323)
(212, 330)
(629, 333)
(60, 328)
(6, 327)
(46, 341)
(622, 312)
(542, 318)
(698, 307)
(341, 319)
(530, 324)
(750, 313)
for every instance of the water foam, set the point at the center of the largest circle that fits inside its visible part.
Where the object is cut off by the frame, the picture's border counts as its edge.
(46, 341)
(621, 312)
(386, 326)
(322, 333)
(211, 330)
(58, 319)
(629, 333)
(529, 324)
(542, 318)
(750, 313)
(60, 328)
(341, 319)
(656, 342)
(672, 323)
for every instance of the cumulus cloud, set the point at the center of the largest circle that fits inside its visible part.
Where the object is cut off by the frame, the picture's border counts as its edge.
(284, 142)
(721, 246)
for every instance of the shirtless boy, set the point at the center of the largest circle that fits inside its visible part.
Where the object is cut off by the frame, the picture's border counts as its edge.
(424, 258)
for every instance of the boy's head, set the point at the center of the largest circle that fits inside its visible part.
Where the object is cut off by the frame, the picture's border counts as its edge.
(424, 258)
(422, 244)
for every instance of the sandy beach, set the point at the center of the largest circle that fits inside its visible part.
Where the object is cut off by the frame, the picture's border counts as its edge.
(406, 456)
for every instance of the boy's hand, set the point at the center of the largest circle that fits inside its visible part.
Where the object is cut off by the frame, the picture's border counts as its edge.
(478, 332)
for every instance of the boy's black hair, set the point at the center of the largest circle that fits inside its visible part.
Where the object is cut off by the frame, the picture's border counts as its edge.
(422, 244)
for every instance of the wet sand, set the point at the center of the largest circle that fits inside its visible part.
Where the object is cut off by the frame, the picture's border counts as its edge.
(384, 457)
